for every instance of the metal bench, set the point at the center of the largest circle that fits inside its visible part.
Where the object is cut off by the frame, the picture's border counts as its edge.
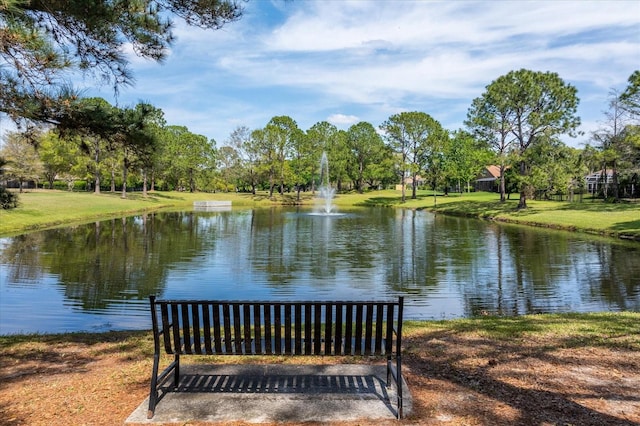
(313, 328)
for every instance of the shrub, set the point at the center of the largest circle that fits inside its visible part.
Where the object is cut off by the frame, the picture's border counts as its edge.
(8, 200)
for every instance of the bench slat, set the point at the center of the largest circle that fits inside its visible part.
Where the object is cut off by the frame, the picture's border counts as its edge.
(226, 349)
(237, 333)
(338, 341)
(379, 323)
(348, 322)
(368, 329)
(277, 327)
(257, 325)
(358, 346)
(217, 337)
(248, 349)
(287, 329)
(166, 334)
(307, 328)
(195, 321)
(317, 328)
(206, 325)
(267, 329)
(328, 329)
(298, 328)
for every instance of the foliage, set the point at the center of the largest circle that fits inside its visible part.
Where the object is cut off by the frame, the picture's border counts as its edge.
(631, 96)
(467, 157)
(414, 136)
(617, 144)
(520, 108)
(43, 40)
(321, 137)
(8, 200)
(366, 149)
(186, 157)
(22, 161)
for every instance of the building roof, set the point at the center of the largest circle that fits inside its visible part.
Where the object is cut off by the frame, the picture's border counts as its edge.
(493, 171)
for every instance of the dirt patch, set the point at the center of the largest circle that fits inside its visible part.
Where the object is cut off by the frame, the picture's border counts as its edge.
(460, 378)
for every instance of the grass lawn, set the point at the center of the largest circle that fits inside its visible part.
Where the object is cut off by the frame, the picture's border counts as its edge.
(45, 208)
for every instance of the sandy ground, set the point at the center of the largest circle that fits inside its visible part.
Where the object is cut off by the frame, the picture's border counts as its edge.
(455, 379)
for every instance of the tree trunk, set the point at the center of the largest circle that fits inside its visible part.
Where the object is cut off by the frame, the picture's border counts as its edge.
(96, 158)
(113, 180)
(503, 185)
(144, 183)
(522, 204)
(614, 182)
(124, 180)
(96, 188)
(413, 186)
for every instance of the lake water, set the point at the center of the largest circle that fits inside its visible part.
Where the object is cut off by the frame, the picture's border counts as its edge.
(98, 276)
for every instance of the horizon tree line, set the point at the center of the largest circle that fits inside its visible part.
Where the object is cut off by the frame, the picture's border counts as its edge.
(516, 124)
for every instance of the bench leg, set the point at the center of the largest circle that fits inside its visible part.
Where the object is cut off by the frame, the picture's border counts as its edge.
(153, 394)
(176, 375)
(399, 384)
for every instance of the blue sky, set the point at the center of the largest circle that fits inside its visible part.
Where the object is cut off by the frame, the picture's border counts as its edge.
(351, 61)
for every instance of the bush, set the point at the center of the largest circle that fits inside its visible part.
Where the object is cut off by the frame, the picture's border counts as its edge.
(8, 200)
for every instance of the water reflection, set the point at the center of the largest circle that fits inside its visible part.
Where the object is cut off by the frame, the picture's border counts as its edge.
(98, 276)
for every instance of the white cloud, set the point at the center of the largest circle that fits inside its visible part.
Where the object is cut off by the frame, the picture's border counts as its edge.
(371, 59)
(343, 119)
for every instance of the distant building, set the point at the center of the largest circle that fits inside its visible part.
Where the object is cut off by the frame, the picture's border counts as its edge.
(488, 179)
(408, 183)
(598, 180)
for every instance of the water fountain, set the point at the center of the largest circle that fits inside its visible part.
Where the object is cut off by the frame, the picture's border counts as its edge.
(325, 191)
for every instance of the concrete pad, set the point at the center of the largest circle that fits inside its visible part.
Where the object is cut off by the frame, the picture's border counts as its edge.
(276, 393)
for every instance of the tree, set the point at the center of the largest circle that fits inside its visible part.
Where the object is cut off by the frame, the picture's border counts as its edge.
(135, 139)
(61, 157)
(248, 154)
(487, 119)
(8, 200)
(552, 166)
(409, 134)
(522, 107)
(303, 164)
(609, 139)
(434, 160)
(365, 145)
(43, 40)
(228, 164)
(466, 157)
(23, 163)
(631, 96)
(281, 134)
(187, 155)
(320, 138)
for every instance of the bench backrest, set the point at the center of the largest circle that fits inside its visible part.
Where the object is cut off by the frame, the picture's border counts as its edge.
(205, 327)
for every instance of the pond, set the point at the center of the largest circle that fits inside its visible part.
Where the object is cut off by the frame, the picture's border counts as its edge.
(98, 276)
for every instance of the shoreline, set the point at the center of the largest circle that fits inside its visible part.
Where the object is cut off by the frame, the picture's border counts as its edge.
(53, 211)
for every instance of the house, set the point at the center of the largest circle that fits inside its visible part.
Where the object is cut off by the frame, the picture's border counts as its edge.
(597, 180)
(488, 179)
(408, 182)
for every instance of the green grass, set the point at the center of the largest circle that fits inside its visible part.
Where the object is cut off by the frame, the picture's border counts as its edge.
(619, 330)
(45, 209)
(616, 330)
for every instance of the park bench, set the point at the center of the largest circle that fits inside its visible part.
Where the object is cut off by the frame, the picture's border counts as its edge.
(314, 328)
